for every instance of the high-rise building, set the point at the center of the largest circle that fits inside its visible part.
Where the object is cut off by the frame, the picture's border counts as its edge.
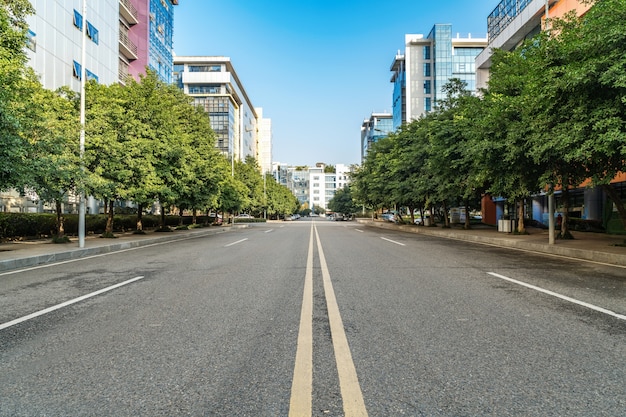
(55, 42)
(215, 86)
(513, 21)
(264, 143)
(146, 37)
(378, 126)
(123, 37)
(426, 65)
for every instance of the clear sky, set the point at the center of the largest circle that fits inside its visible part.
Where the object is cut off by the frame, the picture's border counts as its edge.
(317, 68)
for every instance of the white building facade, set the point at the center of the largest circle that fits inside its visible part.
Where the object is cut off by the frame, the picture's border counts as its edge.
(264, 143)
(215, 86)
(55, 45)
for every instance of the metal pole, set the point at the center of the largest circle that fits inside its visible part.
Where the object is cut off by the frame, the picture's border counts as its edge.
(551, 191)
(551, 216)
(83, 75)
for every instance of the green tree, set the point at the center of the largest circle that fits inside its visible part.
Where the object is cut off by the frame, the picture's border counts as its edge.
(249, 174)
(342, 202)
(17, 85)
(584, 90)
(55, 159)
(109, 151)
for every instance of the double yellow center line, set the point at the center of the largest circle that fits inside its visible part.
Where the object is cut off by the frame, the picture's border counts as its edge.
(302, 385)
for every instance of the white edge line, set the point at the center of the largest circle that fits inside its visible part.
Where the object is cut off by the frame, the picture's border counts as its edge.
(65, 304)
(393, 241)
(563, 297)
(234, 243)
(267, 231)
(359, 230)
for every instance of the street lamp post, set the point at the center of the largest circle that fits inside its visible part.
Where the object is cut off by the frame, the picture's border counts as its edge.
(81, 191)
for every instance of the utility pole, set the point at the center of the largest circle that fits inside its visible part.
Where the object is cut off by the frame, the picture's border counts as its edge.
(83, 75)
(551, 189)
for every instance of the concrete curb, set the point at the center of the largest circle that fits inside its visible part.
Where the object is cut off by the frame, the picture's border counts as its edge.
(506, 242)
(130, 242)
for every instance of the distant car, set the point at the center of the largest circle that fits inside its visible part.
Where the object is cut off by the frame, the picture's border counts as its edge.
(244, 216)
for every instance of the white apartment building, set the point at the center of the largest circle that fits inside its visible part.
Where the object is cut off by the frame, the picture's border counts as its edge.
(264, 143)
(311, 185)
(215, 86)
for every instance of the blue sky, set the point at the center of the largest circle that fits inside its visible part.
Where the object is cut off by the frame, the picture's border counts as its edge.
(318, 68)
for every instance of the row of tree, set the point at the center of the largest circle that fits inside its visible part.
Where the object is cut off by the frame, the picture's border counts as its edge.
(553, 115)
(145, 142)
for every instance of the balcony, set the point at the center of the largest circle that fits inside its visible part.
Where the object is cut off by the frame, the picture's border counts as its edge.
(129, 12)
(123, 72)
(127, 47)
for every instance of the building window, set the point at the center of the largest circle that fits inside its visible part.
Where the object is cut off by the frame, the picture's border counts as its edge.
(78, 20)
(203, 89)
(426, 52)
(426, 70)
(205, 68)
(427, 104)
(77, 72)
(427, 88)
(92, 33)
(31, 41)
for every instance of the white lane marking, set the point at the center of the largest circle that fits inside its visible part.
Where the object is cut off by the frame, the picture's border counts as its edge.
(302, 384)
(393, 241)
(561, 296)
(32, 268)
(267, 231)
(234, 243)
(353, 403)
(359, 230)
(65, 304)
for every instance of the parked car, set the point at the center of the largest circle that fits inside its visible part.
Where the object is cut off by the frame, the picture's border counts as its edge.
(244, 216)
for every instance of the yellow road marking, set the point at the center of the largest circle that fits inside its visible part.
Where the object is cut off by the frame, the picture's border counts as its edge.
(302, 384)
(353, 404)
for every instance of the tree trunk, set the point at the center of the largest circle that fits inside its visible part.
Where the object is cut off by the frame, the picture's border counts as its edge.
(60, 220)
(467, 215)
(109, 227)
(521, 229)
(180, 216)
(194, 216)
(162, 225)
(446, 219)
(412, 209)
(106, 206)
(565, 233)
(139, 217)
(619, 204)
(432, 216)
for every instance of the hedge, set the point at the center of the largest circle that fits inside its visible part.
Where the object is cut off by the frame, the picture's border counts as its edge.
(38, 225)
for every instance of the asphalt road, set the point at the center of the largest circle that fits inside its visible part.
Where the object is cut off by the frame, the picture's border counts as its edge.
(314, 318)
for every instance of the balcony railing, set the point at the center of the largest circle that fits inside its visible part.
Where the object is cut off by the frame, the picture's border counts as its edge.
(123, 72)
(129, 12)
(128, 48)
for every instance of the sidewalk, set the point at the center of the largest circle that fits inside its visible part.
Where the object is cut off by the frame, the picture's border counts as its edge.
(598, 247)
(23, 254)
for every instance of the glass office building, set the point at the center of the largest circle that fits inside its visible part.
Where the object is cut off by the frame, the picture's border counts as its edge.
(427, 64)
